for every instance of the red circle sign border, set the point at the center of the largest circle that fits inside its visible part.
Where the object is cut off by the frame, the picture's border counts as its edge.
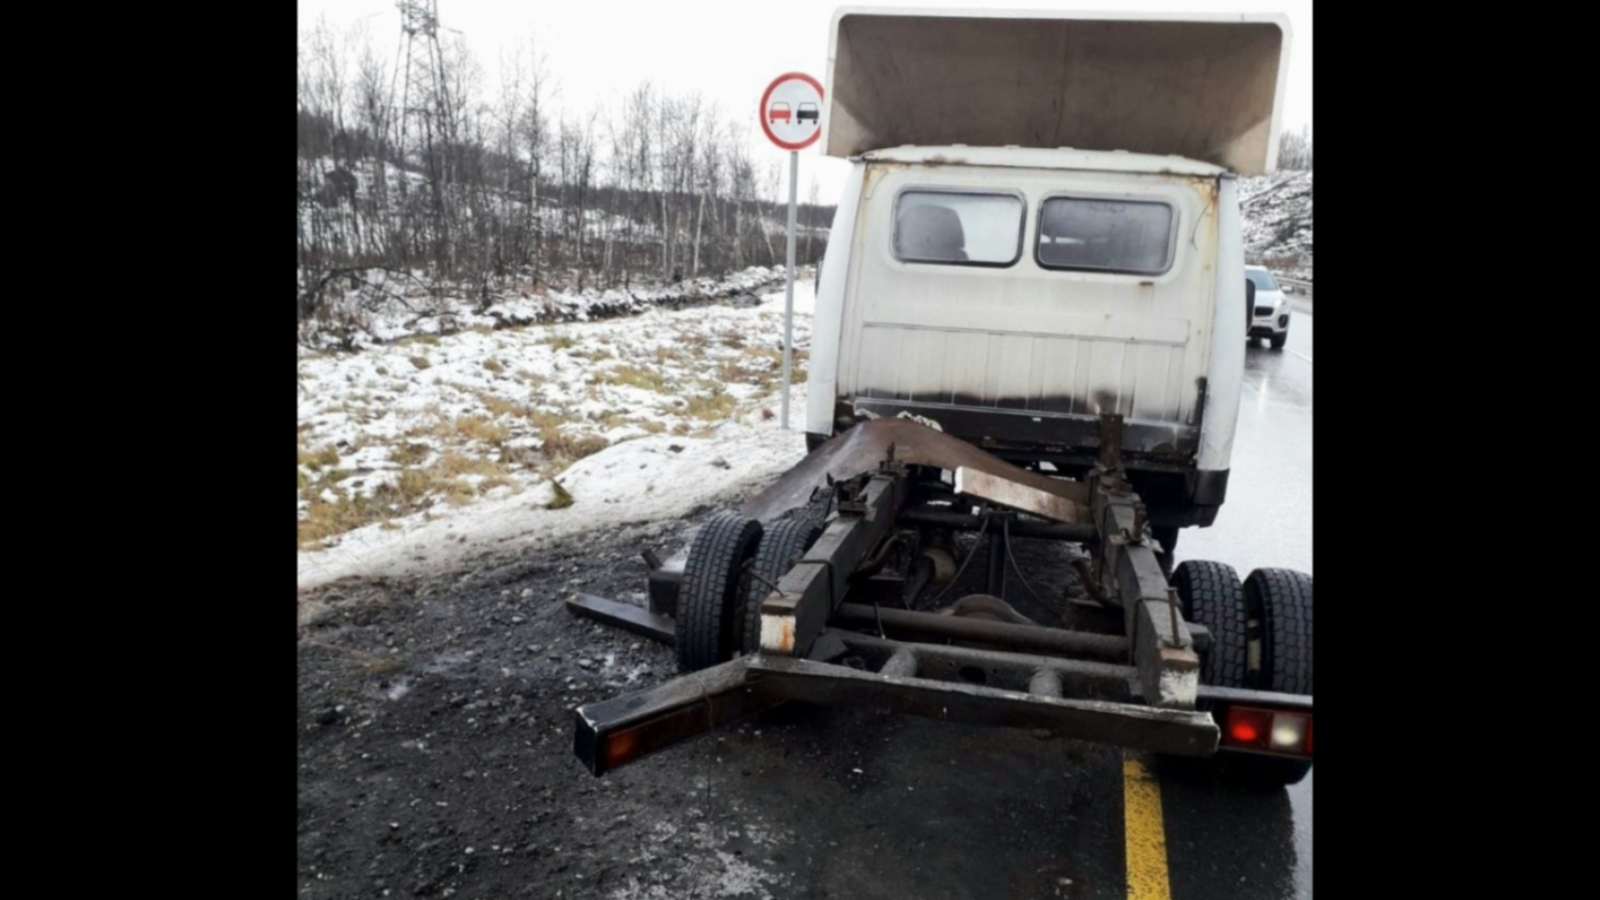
(766, 95)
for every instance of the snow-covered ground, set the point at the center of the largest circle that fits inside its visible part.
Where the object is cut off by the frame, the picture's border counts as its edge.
(405, 309)
(434, 446)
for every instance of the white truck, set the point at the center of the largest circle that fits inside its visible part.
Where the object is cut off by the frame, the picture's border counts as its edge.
(1041, 226)
(1030, 324)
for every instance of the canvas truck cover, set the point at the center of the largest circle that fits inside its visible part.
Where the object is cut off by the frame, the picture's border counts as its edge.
(1207, 87)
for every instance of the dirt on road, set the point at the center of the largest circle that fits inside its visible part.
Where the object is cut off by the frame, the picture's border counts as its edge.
(435, 760)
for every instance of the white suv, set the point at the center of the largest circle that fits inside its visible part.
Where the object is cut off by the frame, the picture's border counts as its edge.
(1270, 316)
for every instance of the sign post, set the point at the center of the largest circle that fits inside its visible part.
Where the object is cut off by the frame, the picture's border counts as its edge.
(791, 116)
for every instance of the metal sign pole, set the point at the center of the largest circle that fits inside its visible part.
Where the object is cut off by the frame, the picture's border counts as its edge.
(788, 298)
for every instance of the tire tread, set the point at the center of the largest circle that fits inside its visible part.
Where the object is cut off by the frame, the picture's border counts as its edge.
(712, 581)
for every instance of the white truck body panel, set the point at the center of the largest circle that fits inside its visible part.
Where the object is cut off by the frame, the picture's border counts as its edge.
(823, 367)
(1226, 367)
(1207, 87)
(1025, 340)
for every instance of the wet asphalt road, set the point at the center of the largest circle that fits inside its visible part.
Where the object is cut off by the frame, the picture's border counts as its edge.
(1266, 522)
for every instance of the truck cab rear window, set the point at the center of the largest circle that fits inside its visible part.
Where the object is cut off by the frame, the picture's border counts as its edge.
(958, 228)
(1128, 236)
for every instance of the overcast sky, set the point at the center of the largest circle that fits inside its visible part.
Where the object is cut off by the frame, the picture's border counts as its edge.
(727, 49)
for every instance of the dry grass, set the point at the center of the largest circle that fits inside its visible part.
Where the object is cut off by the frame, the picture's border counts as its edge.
(665, 354)
(560, 342)
(325, 520)
(715, 407)
(474, 428)
(500, 406)
(494, 365)
(693, 342)
(320, 459)
(572, 447)
(562, 499)
(593, 354)
(412, 491)
(633, 376)
(421, 362)
(411, 454)
(618, 418)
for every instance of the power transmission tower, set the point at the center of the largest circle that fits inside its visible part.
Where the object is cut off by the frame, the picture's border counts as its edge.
(425, 108)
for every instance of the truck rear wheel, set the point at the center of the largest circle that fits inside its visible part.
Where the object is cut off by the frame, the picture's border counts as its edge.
(1282, 598)
(780, 548)
(713, 582)
(1211, 596)
(1279, 603)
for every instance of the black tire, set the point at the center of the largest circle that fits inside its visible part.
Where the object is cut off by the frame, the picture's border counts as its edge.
(1211, 596)
(712, 584)
(1282, 598)
(1278, 340)
(781, 547)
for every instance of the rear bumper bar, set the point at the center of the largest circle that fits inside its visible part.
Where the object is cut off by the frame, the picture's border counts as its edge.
(615, 732)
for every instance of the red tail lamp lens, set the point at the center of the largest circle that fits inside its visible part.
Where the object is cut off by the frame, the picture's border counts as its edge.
(1273, 730)
(1243, 727)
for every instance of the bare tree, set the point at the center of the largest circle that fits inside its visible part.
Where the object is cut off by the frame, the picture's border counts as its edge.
(659, 184)
(1294, 149)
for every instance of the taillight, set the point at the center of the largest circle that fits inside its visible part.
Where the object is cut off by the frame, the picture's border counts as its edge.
(1273, 731)
(1248, 727)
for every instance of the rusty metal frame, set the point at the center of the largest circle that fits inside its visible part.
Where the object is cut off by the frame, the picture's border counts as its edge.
(1180, 732)
(625, 616)
(793, 615)
(1137, 689)
(1085, 700)
(1131, 577)
(615, 732)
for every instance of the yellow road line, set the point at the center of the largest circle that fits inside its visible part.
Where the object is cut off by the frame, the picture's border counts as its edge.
(1144, 832)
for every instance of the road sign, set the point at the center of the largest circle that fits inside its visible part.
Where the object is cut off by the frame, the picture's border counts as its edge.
(791, 115)
(791, 111)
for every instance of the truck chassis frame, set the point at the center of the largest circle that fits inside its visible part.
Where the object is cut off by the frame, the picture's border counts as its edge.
(1126, 675)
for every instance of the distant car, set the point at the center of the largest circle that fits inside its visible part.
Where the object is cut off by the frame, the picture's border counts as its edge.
(1269, 313)
(808, 111)
(778, 112)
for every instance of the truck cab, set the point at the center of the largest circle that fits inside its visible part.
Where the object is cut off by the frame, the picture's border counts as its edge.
(1068, 255)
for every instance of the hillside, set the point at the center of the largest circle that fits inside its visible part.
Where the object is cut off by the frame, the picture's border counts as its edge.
(1277, 222)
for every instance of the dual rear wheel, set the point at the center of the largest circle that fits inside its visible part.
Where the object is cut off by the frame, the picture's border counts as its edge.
(733, 565)
(1260, 639)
